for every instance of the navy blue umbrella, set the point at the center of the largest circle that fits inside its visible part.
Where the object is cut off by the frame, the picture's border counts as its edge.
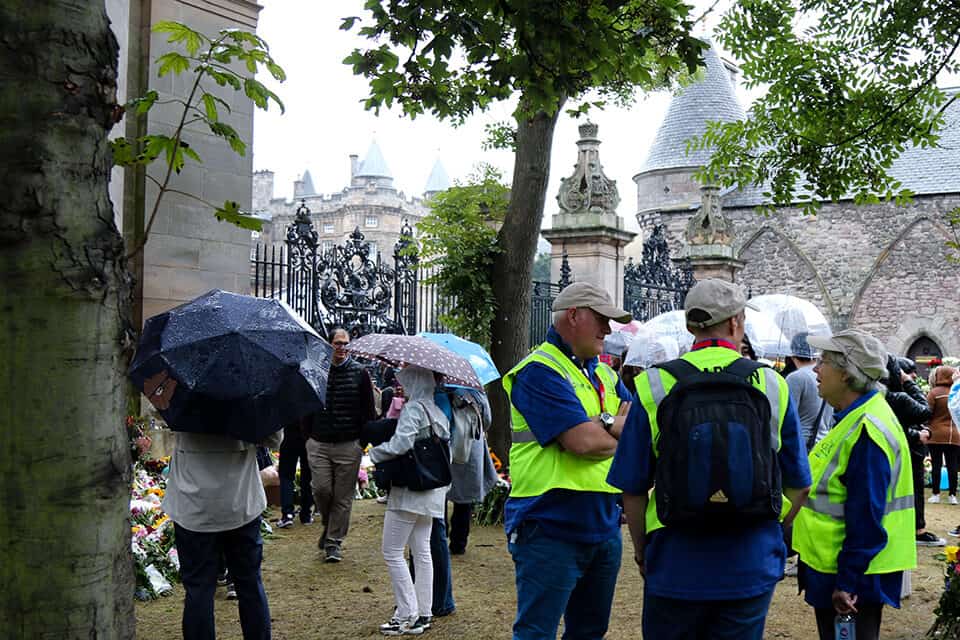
(232, 365)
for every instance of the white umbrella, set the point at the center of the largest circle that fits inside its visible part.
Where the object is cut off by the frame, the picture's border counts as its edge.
(792, 315)
(672, 324)
(647, 350)
(765, 337)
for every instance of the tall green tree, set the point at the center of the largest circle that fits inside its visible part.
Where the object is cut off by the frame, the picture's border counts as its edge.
(452, 58)
(851, 83)
(65, 565)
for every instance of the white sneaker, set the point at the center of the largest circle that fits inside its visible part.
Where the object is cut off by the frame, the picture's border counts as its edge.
(952, 499)
(934, 499)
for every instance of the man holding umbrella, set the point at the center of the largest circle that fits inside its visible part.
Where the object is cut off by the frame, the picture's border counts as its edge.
(562, 518)
(226, 371)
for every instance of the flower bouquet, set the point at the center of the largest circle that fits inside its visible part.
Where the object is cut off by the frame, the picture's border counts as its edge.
(156, 564)
(947, 623)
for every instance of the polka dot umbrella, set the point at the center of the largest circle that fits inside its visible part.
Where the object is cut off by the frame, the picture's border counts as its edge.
(399, 350)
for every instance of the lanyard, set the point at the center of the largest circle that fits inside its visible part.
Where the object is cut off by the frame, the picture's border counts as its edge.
(599, 388)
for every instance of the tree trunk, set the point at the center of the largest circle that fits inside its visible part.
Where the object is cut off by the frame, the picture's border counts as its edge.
(512, 270)
(65, 564)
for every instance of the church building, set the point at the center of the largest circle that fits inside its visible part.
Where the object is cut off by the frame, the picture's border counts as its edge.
(882, 268)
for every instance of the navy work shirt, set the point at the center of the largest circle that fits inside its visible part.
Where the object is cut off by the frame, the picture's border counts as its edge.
(708, 565)
(550, 406)
(866, 478)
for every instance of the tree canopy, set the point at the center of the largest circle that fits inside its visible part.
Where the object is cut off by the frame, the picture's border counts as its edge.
(454, 57)
(851, 83)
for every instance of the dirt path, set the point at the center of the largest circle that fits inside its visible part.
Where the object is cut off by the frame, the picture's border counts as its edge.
(313, 600)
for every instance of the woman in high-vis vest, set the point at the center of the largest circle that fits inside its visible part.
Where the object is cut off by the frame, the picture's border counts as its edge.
(855, 534)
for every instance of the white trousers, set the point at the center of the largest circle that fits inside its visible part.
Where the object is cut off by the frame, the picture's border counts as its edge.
(401, 528)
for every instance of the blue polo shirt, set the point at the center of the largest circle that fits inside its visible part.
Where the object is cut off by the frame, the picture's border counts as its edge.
(708, 565)
(866, 478)
(550, 406)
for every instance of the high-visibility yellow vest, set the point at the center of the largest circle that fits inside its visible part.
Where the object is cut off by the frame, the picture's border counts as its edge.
(534, 470)
(820, 528)
(654, 384)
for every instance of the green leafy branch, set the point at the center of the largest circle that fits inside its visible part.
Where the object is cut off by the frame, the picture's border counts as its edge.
(210, 59)
(459, 242)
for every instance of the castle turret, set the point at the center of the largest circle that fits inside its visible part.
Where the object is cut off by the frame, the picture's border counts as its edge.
(438, 180)
(665, 180)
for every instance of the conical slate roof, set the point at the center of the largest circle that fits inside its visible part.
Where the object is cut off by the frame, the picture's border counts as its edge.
(438, 180)
(373, 165)
(710, 99)
(307, 183)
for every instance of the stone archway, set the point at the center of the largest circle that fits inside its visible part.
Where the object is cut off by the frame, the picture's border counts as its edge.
(922, 351)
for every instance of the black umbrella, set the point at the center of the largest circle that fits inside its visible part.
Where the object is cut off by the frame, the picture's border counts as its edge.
(232, 365)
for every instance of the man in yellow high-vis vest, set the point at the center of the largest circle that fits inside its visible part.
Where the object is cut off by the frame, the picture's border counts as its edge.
(562, 519)
(855, 535)
(713, 577)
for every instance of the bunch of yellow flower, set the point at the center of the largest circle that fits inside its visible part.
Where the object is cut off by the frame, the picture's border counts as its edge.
(947, 624)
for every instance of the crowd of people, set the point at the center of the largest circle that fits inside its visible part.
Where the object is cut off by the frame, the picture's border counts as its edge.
(711, 459)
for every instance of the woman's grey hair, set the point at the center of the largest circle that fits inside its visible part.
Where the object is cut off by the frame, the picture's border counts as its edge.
(856, 380)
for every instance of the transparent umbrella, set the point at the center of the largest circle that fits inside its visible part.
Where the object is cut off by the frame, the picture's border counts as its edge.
(792, 315)
(672, 324)
(647, 350)
(765, 337)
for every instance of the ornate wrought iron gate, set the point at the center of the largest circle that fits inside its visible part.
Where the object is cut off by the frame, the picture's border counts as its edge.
(654, 285)
(347, 286)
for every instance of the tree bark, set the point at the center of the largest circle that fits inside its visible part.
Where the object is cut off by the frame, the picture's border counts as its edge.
(517, 239)
(65, 564)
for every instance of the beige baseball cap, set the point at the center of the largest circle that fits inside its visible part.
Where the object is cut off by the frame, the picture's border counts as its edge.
(715, 300)
(585, 294)
(863, 350)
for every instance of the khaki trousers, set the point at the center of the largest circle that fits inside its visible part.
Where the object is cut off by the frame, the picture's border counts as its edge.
(334, 467)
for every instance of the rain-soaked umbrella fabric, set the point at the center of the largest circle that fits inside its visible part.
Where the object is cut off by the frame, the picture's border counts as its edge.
(232, 365)
(478, 357)
(398, 350)
(792, 315)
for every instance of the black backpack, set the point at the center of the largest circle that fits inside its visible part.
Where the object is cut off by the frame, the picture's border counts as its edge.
(717, 465)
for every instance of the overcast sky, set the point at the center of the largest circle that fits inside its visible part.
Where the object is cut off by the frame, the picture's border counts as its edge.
(325, 120)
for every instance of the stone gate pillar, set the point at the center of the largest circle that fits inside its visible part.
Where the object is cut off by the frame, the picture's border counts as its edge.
(709, 240)
(588, 227)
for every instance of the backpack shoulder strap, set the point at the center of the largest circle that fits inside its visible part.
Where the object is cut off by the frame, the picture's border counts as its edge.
(743, 368)
(679, 368)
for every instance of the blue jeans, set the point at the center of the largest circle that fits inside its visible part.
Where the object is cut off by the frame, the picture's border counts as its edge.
(558, 578)
(199, 565)
(673, 619)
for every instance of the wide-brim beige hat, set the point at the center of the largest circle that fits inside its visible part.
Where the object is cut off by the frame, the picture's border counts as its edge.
(586, 294)
(864, 351)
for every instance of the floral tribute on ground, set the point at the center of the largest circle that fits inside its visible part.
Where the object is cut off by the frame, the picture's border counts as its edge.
(947, 623)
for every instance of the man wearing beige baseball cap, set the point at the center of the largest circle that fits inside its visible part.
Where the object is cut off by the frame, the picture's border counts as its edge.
(717, 440)
(855, 535)
(562, 518)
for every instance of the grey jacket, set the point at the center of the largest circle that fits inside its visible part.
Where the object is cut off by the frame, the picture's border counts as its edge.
(214, 483)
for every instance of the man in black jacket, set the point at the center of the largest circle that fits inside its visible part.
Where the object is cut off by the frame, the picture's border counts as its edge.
(333, 447)
(910, 406)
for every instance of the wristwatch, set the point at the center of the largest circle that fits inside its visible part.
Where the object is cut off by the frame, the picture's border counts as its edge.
(607, 420)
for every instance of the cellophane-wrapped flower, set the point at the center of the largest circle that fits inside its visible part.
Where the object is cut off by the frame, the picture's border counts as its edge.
(151, 530)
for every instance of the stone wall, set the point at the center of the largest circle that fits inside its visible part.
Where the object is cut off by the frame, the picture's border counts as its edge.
(881, 268)
(189, 251)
